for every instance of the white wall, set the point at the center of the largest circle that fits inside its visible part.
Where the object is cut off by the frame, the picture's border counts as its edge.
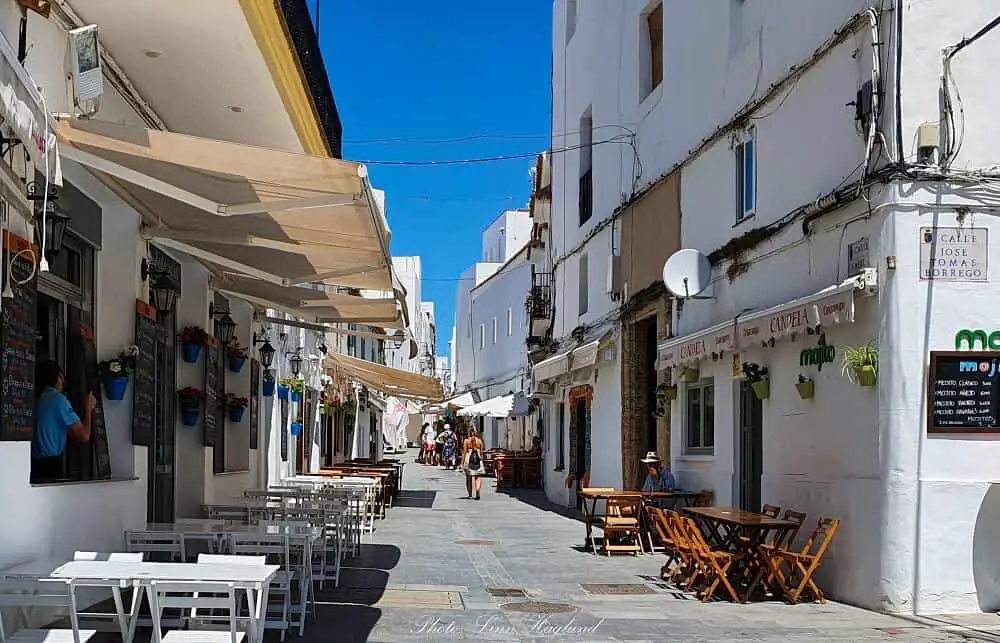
(506, 235)
(466, 337)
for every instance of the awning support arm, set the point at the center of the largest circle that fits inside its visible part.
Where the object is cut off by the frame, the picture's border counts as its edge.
(283, 205)
(235, 266)
(333, 274)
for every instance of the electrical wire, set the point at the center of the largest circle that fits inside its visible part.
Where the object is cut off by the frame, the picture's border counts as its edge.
(620, 139)
(482, 137)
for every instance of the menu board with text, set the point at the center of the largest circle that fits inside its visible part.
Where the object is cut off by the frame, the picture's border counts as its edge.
(215, 394)
(963, 392)
(144, 379)
(19, 342)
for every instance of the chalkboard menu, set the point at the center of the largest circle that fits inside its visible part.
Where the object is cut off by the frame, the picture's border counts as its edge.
(144, 378)
(215, 394)
(98, 430)
(963, 392)
(19, 339)
(284, 430)
(254, 402)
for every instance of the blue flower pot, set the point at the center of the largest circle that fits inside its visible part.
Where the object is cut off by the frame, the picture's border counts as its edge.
(282, 392)
(115, 387)
(296, 396)
(296, 429)
(268, 388)
(190, 352)
(236, 414)
(236, 364)
(189, 415)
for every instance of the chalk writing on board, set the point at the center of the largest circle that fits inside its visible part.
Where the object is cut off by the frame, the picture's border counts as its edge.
(144, 377)
(19, 340)
(964, 392)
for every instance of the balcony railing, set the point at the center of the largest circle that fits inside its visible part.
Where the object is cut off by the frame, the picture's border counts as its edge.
(539, 303)
(586, 196)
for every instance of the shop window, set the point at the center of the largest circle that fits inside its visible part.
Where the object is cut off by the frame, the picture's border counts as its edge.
(699, 418)
(64, 304)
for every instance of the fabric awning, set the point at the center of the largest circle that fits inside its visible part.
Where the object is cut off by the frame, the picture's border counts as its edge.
(579, 356)
(828, 307)
(390, 381)
(689, 349)
(551, 368)
(495, 407)
(280, 217)
(315, 305)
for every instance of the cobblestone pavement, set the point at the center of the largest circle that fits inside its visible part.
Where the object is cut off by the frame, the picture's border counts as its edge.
(443, 568)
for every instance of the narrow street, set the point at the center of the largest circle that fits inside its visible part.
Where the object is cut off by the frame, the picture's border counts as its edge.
(509, 568)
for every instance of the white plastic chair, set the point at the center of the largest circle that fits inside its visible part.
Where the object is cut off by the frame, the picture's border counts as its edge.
(194, 596)
(25, 592)
(275, 550)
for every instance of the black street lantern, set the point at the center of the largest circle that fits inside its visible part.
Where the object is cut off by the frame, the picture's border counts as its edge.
(295, 362)
(266, 353)
(225, 328)
(163, 293)
(52, 229)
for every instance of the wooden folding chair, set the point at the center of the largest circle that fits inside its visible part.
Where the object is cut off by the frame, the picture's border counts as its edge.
(770, 511)
(689, 569)
(622, 518)
(715, 565)
(657, 522)
(802, 565)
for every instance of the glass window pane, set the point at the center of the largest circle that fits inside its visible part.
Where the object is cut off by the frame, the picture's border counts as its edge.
(748, 176)
(708, 422)
(739, 182)
(693, 417)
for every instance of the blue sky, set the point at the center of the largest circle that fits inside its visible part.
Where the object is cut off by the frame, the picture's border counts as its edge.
(427, 71)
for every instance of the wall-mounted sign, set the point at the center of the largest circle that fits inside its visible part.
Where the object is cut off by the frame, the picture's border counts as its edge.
(797, 317)
(963, 392)
(821, 354)
(737, 365)
(954, 254)
(697, 346)
(857, 256)
(969, 338)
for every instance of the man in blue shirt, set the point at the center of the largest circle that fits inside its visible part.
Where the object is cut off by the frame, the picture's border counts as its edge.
(55, 422)
(658, 478)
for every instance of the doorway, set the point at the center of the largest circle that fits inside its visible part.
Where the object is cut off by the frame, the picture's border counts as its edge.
(161, 458)
(579, 437)
(647, 355)
(751, 448)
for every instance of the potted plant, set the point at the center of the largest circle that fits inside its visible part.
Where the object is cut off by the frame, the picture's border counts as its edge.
(269, 383)
(667, 391)
(759, 379)
(190, 400)
(298, 388)
(237, 355)
(296, 429)
(284, 386)
(861, 364)
(236, 406)
(192, 339)
(114, 373)
(806, 387)
(690, 374)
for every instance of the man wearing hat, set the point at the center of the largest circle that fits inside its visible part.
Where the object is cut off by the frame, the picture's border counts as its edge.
(658, 478)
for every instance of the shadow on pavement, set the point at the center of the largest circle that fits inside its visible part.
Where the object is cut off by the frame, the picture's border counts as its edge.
(415, 499)
(536, 498)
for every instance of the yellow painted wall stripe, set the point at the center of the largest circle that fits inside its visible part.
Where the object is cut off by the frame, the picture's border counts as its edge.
(275, 44)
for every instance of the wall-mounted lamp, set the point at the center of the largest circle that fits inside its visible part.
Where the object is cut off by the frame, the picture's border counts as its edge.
(163, 289)
(266, 351)
(295, 362)
(50, 224)
(225, 327)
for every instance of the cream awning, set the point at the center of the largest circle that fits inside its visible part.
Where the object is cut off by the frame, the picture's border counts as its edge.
(315, 305)
(390, 381)
(284, 218)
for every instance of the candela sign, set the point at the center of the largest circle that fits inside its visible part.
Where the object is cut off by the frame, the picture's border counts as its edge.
(698, 348)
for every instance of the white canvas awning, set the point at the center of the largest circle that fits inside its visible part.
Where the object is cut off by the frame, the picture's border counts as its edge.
(828, 307)
(495, 407)
(579, 356)
(283, 218)
(693, 348)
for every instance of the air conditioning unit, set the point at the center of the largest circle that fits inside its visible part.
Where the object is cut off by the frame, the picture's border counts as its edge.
(614, 276)
(85, 64)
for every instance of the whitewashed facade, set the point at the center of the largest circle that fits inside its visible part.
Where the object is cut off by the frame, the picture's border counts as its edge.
(917, 510)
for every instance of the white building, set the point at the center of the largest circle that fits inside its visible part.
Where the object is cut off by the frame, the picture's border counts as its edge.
(736, 114)
(491, 326)
(137, 232)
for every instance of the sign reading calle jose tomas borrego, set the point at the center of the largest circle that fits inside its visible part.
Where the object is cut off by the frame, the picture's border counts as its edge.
(954, 254)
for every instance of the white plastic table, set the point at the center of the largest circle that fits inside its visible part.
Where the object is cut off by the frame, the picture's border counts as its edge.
(253, 579)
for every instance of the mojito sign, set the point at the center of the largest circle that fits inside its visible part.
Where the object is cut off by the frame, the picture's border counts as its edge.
(968, 339)
(822, 354)
(954, 254)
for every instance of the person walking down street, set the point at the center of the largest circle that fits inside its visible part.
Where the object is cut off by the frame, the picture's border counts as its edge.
(472, 462)
(449, 442)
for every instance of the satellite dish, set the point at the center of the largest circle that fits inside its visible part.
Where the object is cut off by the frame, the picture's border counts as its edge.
(687, 273)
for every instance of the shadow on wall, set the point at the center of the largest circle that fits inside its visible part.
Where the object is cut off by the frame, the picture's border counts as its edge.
(985, 553)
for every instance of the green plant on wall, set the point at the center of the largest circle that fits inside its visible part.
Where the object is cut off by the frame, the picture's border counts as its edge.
(860, 364)
(759, 378)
